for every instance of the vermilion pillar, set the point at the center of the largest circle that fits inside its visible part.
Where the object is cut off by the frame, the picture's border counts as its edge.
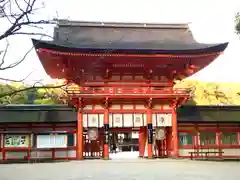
(238, 134)
(141, 141)
(218, 140)
(149, 132)
(238, 137)
(175, 152)
(106, 135)
(79, 137)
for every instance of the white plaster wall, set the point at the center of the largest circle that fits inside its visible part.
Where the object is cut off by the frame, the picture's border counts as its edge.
(72, 153)
(140, 106)
(185, 152)
(42, 154)
(129, 106)
(115, 106)
(231, 152)
(16, 155)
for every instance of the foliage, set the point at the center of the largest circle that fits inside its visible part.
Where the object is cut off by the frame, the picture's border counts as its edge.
(210, 93)
(237, 25)
(32, 96)
(204, 93)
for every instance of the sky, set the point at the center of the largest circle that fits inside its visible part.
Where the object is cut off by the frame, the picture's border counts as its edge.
(211, 21)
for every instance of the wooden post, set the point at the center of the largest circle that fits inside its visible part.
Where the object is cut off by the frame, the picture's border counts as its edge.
(149, 129)
(79, 138)
(175, 152)
(149, 133)
(218, 139)
(141, 141)
(238, 137)
(106, 134)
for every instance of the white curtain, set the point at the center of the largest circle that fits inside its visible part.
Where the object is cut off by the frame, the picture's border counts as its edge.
(51, 141)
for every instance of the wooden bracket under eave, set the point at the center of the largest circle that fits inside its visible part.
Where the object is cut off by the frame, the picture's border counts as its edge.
(149, 103)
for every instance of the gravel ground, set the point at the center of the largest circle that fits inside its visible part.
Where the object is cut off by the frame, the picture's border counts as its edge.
(123, 169)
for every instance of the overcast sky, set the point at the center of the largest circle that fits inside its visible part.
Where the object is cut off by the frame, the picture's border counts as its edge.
(211, 21)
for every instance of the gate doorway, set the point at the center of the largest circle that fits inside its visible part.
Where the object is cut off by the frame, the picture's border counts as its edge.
(93, 143)
(162, 142)
(124, 143)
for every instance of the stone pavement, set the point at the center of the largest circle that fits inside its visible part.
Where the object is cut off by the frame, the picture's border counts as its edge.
(132, 169)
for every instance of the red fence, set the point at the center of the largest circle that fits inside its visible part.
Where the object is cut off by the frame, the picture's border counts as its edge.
(220, 140)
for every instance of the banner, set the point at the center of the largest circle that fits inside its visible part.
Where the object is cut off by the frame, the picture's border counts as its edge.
(15, 141)
(150, 133)
(106, 133)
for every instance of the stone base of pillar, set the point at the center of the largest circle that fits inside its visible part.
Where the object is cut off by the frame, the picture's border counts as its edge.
(146, 151)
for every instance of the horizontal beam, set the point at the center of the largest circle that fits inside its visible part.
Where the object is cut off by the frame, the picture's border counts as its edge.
(131, 96)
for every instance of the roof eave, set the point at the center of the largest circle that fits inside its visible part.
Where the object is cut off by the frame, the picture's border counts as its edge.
(61, 48)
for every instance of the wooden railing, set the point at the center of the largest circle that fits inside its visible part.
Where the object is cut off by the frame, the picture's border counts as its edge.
(127, 91)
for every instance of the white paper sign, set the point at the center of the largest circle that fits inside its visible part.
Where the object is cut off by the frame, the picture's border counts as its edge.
(128, 120)
(92, 120)
(101, 120)
(85, 120)
(164, 120)
(117, 120)
(138, 120)
(110, 120)
(154, 120)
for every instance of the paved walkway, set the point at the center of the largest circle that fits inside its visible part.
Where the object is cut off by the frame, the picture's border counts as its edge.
(134, 169)
(124, 155)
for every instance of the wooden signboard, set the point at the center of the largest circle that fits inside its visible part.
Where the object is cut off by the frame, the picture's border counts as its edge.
(16, 141)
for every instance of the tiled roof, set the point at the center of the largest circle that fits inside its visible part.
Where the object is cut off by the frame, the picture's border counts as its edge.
(63, 113)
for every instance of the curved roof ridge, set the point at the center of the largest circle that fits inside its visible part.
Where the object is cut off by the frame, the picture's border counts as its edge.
(65, 22)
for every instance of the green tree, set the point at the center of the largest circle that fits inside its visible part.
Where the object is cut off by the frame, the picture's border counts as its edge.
(32, 96)
(209, 93)
(237, 23)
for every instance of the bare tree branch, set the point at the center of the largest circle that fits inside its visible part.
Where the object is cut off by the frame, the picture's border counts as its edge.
(237, 23)
(4, 55)
(13, 80)
(18, 62)
(30, 88)
(18, 14)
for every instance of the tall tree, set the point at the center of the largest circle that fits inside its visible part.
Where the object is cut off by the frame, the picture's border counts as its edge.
(17, 18)
(237, 25)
